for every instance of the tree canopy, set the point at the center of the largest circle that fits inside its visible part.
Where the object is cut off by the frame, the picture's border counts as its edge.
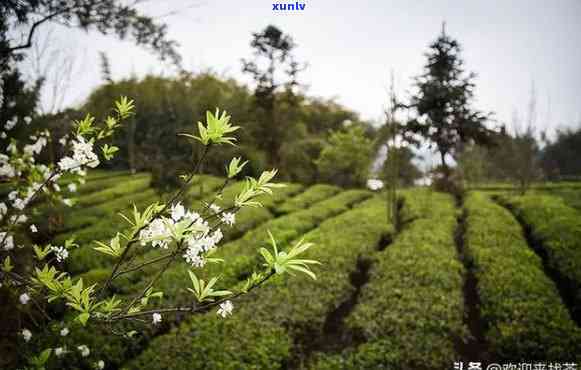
(442, 104)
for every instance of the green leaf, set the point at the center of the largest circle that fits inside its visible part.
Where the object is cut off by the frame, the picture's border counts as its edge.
(7, 265)
(83, 318)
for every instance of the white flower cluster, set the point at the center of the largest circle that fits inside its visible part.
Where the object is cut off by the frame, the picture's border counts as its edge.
(374, 184)
(3, 210)
(60, 253)
(26, 334)
(197, 243)
(8, 243)
(6, 169)
(32, 149)
(21, 203)
(83, 155)
(156, 318)
(11, 123)
(225, 309)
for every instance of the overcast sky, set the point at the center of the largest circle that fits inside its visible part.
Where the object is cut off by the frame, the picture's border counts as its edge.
(351, 46)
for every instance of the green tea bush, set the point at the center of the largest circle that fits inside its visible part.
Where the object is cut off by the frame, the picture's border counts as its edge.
(523, 312)
(411, 311)
(135, 185)
(556, 227)
(311, 195)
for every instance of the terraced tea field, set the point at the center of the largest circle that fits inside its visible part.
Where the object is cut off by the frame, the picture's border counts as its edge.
(492, 277)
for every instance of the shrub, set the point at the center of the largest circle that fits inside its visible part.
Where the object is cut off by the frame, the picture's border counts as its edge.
(311, 195)
(524, 315)
(411, 311)
(556, 227)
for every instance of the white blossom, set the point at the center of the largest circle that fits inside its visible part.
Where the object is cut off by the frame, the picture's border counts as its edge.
(3, 135)
(192, 216)
(6, 170)
(156, 318)
(193, 256)
(33, 228)
(217, 236)
(72, 187)
(229, 218)
(26, 334)
(56, 187)
(27, 120)
(35, 148)
(19, 203)
(83, 152)
(11, 123)
(3, 210)
(18, 219)
(61, 253)
(69, 164)
(13, 195)
(177, 212)
(225, 309)
(8, 241)
(100, 365)
(64, 332)
(59, 351)
(84, 350)
(157, 233)
(24, 298)
(374, 184)
(68, 202)
(215, 208)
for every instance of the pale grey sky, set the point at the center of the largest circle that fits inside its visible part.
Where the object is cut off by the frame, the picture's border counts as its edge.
(351, 46)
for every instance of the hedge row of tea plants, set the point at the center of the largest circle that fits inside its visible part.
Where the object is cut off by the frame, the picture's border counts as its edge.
(273, 320)
(312, 195)
(135, 184)
(411, 311)
(521, 307)
(557, 229)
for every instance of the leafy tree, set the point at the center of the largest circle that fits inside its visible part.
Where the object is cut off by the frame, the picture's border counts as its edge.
(473, 163)
(443, 103)
(401, 158)
(275, 72)
(560, 158)
(104, 16)
(346, 157)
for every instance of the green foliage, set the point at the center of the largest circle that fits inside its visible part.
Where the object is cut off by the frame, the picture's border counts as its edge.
(127, 187)
(281, 261)
(411, 311)
(313, 194)
(258, 336)
(524, 314)
(166, 105)
(217, 126)
(560, 158)
(401, 159)
(345, 159)
(558, 229)
(105, 16)
(442, 102)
